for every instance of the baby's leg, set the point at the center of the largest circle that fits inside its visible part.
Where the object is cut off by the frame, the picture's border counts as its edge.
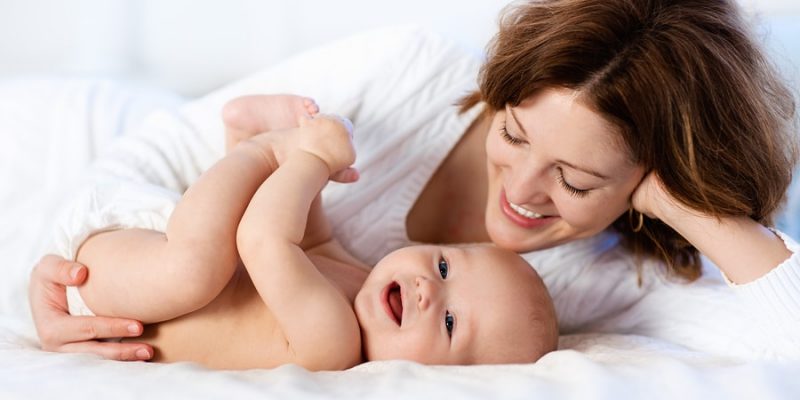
(154, 276)
(247, 116)
(137, 273)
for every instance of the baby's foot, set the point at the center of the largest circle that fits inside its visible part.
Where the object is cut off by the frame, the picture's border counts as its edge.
(260, 113)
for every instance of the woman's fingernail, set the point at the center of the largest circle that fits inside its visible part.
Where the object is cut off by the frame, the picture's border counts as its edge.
(143, 354)
(133, 328)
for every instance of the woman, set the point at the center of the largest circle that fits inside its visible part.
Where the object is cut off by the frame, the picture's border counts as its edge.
(620, 137)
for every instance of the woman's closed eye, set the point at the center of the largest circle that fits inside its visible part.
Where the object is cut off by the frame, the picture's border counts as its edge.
(512, 140)
(572, 190)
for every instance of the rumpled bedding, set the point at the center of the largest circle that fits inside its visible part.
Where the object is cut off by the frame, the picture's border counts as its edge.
(43, 155)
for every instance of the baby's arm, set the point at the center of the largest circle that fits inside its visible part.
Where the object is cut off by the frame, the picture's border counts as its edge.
(153, 276)
(318, 321)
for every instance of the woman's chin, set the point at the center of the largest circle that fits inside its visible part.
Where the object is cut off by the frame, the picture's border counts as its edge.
(517, 242)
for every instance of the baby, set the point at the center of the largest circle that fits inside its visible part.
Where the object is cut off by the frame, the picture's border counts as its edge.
(248, 274)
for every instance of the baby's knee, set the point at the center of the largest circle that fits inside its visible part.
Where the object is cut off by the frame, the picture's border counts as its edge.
(199, 280)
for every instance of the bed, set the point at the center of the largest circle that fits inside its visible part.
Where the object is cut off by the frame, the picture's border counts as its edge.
(37, 168)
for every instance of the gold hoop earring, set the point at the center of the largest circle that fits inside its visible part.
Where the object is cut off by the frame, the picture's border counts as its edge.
(640, 224)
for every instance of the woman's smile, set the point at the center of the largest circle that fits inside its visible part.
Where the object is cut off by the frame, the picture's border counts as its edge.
(521, 216)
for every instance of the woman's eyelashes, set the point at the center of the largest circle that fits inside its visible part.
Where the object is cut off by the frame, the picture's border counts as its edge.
(515, 141)
(512, 140)
(572, 190)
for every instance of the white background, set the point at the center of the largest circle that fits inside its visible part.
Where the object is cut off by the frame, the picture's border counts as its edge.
(193, 46)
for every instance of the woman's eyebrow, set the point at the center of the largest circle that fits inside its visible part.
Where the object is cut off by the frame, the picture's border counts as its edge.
(516, 122)
(573, 166)
(583, 169)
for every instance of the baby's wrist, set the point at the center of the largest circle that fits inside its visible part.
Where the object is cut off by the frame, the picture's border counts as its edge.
(314, 159)
(258, 151)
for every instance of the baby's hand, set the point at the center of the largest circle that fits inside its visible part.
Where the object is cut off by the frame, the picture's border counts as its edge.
(328, 137)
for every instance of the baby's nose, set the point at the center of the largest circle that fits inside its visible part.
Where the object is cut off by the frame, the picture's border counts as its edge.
(425, 292)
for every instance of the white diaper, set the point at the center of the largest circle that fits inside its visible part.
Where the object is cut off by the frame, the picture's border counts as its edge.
(75, 302)
(106, 206)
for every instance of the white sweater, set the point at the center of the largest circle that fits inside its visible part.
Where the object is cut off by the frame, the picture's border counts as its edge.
(399, 87)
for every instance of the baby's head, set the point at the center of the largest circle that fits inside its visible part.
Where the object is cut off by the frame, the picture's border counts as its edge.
(455, 305)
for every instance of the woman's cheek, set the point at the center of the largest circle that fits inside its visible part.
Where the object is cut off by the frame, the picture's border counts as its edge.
(493, 152)
(581, 213)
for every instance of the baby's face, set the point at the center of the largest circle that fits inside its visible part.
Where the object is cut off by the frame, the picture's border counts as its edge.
(451, 305)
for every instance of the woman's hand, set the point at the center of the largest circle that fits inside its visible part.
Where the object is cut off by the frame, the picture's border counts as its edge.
(742, 248)
(59, 331)
(651, 198)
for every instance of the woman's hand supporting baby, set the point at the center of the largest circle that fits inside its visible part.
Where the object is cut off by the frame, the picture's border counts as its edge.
(61, 332)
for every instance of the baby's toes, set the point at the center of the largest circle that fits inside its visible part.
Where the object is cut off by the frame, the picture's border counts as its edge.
(311, 106)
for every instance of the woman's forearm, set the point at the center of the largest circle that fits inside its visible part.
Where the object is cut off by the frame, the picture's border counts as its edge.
(742, 248)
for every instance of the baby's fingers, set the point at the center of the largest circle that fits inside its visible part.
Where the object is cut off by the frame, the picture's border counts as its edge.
(347, 175)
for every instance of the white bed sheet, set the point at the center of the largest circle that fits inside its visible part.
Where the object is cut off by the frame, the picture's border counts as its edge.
(36, 168)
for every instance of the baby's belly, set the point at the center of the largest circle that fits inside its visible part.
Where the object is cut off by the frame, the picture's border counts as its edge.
(235, 331)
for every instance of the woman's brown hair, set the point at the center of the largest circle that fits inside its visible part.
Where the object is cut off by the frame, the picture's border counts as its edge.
(694, 99)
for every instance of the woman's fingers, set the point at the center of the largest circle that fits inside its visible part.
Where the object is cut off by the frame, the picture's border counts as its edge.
(47, 297)
(62, 332)
(56, 270)
(66, 328)
(112, 351)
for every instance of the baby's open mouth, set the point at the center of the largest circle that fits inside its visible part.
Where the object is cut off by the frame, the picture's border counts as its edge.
(393, 303)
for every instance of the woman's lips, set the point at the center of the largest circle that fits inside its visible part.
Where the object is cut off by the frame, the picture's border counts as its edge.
(521, 220)
(392, 302)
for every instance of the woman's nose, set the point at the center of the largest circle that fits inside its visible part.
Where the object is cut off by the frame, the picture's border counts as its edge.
(526, 185)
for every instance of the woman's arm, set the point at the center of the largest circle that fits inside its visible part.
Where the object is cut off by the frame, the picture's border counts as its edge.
(743, 249)
(758, 318)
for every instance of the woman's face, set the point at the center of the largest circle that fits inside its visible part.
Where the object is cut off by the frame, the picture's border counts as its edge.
(557, 172)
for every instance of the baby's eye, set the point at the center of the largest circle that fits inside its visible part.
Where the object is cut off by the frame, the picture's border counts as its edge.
(448, 323)
(443, 268)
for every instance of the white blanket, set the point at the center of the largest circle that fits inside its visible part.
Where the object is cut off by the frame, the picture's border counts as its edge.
(43, 153)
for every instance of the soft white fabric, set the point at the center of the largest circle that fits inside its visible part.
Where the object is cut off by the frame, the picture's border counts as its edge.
(661, 340)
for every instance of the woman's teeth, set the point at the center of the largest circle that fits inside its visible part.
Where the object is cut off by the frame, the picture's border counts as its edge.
(525, 213)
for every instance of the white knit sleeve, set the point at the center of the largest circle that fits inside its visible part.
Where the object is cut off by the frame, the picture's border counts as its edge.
(775, 299)
(759, 320)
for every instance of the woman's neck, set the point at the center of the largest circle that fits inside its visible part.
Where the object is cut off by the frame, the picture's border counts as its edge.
(452, 206)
